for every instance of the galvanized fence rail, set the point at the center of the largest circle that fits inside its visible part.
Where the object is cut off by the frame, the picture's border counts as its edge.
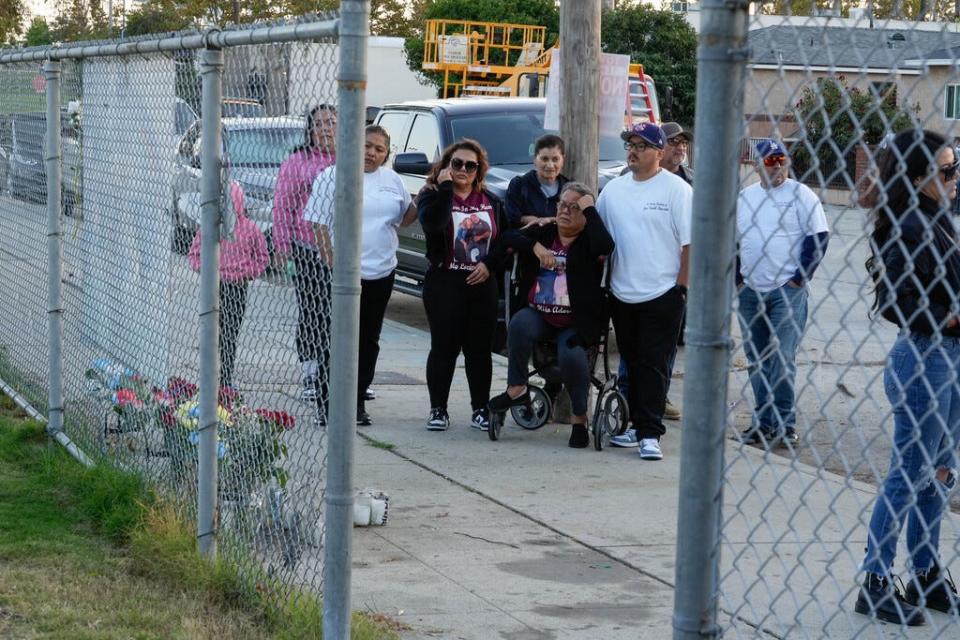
(151, 209)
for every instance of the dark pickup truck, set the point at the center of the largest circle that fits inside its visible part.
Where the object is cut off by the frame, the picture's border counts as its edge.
(507, 129)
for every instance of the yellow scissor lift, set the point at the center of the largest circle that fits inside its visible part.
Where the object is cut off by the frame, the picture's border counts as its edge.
(477, 57)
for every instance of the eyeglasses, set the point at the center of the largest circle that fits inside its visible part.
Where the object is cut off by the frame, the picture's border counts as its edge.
(950, 171)
(773, 161)
(637, 146)
(572, 207)
(459, 165)
(678, 142)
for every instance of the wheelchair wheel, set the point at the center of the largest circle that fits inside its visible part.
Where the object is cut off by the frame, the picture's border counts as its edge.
(610, 418)
(496, 424)
(539, 412)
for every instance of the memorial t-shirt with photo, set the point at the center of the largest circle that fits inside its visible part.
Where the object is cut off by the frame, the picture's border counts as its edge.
(474, 229)
(549, 294)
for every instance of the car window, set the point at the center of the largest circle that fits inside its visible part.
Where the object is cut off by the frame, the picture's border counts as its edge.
(509, 137)
(424, 136)
(394, 122)
(242, 110)
(263, 147)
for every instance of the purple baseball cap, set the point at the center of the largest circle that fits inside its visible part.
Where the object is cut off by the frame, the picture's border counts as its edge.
(770, 147)
(651, 134)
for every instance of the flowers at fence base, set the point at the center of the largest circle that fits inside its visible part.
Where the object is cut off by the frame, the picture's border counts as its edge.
(127, 398)
(279, 419)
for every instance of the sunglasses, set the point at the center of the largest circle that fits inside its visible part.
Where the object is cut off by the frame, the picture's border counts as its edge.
(637, 146)
(572, 207)
(950, 171)
(773, 161)
(459, 165)
(678, 142)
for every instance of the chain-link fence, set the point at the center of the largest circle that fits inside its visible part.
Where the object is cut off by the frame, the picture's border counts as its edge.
(138, 175)
(839, 390)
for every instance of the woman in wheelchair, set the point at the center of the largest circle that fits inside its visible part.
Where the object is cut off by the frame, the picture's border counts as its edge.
(561, 271)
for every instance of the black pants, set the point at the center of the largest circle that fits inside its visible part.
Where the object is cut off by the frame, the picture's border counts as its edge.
(233, 305)
(463, 318)
(374, 296)
(647, 336)
(312, 282)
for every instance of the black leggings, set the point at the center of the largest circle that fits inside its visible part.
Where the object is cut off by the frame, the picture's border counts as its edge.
(233, 305)
(463, 318)
(374, 296)
(313, 281)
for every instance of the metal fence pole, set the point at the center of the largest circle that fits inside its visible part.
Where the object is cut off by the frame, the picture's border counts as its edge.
(211, 71)
(52, 153)
(351, 96)
(722, 62)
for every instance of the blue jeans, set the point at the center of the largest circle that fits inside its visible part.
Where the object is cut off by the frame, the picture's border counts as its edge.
(528, 327)
(920, 382)
(772, 324)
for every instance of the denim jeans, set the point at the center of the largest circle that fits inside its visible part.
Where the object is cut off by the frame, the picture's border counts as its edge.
(920, 382)
(772, 324)
(528, 327)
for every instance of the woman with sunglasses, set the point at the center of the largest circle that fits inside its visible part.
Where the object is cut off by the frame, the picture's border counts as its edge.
(461, 220)
(915, 265)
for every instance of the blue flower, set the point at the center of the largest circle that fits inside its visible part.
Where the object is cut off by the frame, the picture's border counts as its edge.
(101, 364)
(113, 382)
(221, 449)
(194, 412)
(194, 437)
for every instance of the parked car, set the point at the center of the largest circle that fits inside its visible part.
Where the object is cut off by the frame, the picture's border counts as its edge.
(26, 171)
(253, 149)
(241, 108)
(506, 127)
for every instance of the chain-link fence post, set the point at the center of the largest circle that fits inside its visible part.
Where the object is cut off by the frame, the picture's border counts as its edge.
(351, 97)
(52, 164)
(722, 62)
(211, 71)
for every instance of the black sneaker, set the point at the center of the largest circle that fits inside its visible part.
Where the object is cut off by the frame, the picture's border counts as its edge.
(933, 591)
(439, 419)
(481, 419)
(363, 418)
(879, 598)
(503, 402)
(579, 436)
(790, 437)
(369, 394)
(757, 435)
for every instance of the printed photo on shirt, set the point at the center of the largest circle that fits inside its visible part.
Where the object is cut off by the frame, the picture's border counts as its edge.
(551, 288)
(471, 240)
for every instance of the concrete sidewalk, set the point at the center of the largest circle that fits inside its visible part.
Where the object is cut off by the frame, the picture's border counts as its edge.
(525, 538)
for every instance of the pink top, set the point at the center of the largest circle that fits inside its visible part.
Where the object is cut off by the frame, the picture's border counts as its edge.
(294, 182)
(243, 258)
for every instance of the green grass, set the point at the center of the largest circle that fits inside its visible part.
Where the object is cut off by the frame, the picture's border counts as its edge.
(380, 444)
(93, 554)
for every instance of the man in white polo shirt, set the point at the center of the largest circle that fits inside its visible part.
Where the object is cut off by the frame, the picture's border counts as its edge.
(647, 211)
(783, 235)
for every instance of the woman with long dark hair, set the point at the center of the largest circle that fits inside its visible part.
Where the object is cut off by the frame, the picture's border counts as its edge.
(386, 207)
(915, 265)
(461, 220)
(293, 237)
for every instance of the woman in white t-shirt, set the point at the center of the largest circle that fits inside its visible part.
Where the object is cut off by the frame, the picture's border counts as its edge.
(386, 206)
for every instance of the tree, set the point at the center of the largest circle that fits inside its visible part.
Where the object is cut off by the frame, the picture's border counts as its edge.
(157, 16)
(38, 33)
(664, 43)
(11, 20)
(836, 118)
(80, 20)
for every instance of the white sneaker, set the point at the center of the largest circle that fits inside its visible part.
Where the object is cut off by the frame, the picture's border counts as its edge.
(626, 439)
(650, 449)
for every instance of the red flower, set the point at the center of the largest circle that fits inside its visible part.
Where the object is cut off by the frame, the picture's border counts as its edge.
(167, 418)
(179, 389)
(128, 397)
(227, 396)
(280, 419)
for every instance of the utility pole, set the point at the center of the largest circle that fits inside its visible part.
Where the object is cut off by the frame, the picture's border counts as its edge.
(580, 88)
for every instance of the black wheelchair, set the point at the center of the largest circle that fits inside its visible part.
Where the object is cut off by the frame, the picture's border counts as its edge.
(610, 412)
